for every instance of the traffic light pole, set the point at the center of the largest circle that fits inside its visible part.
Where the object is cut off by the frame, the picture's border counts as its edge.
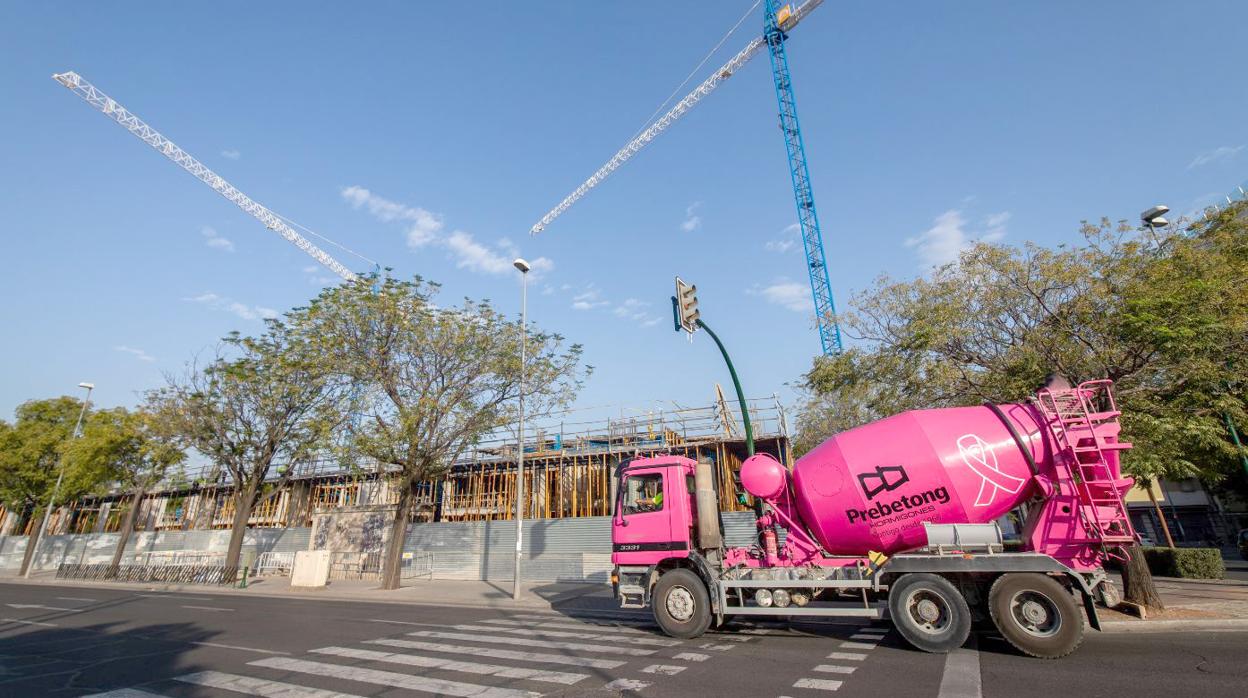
(736, 383)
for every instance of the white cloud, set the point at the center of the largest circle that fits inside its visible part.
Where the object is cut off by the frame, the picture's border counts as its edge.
(692, 220)
(1225, 152)
(637, 311)
(589, 299)
(231, 154)
(215, 241)
(949, 236)
(425, 228)
(242, 310)
(786, 241)
(787, 294)
(137, 353)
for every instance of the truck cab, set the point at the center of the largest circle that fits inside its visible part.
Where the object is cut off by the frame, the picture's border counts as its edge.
(653, 511)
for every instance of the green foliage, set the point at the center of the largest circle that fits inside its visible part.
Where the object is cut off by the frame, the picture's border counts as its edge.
(30, 455)
(132, 448)
(1164, 316)
(1188, 563)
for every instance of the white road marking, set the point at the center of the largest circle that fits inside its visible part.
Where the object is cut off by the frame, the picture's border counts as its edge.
(257, 687)
(390, 678)
(27, 622)
(632, 640)
(717, 648)
(502, 654)
(207, 608)
(563, 677)
(74, 598)
(125, 693)
(866, 636)
(178, 597)
(858, 645)
(41, 606)
(570, 626)
(847, 656)
(240, 649)
(835, 669)
(626, 685)
(396, 622)
(961, 678)
(692, 657)
(819, 684)
(665, 669)
(527, 642)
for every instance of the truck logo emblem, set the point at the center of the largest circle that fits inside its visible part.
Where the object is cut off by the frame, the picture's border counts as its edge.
(982, 461)
(882, 476)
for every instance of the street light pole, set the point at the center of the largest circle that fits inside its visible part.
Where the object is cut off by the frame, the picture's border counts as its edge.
(56, 489)
(524, 267)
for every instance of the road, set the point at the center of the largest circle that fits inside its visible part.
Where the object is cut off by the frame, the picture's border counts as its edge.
(73, 641)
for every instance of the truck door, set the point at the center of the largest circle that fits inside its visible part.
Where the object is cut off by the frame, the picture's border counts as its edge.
(642, 531)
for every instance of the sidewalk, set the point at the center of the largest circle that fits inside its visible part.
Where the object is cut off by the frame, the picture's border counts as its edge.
(442, 592)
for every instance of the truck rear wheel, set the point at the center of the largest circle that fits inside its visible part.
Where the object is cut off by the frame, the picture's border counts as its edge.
(929, 612)
(1036, 614)
(682, 606)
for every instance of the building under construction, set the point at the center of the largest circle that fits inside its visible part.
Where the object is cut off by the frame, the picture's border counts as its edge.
(568, 471)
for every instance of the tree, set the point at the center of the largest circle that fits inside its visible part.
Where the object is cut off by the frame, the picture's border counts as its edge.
(429, 381)
(137, 453)
(31, 458)
(1158, 314)
(259, 402)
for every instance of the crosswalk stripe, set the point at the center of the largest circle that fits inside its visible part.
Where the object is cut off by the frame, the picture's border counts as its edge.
(692, 657)
(717, 648)
(819, 684)
(503, 654)
(848, 656)
(858, 645)
(529, 642)
(507, 672)
(125, 693)
(569, 626)
(390, 678)
(665, 669)
(253, 686)
(835, 669)
(626, 685)
(646, 640)
(866, 636)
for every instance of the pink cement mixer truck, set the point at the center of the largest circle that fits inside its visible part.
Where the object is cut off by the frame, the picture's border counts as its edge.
(895, 518)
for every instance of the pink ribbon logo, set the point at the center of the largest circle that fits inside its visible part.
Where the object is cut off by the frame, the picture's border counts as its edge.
(981, 459)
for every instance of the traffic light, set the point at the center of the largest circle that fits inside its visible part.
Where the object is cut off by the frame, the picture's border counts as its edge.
(685, 307)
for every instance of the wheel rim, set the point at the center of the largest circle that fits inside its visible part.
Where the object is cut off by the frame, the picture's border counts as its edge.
(928, 611)
(1036, 614)
(679, 603)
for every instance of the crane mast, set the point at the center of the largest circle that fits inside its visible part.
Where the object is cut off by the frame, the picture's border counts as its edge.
(132, 123)
(774, 28)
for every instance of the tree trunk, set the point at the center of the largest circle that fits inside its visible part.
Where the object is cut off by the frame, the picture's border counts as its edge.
(1137, 582)
(127, 527)
(244, 500)
(392, 566)
(1161, 516)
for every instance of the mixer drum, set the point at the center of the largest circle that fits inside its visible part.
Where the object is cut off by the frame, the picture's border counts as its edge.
(872, 487)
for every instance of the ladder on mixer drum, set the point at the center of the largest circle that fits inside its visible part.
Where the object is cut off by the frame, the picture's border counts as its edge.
(1084, 424)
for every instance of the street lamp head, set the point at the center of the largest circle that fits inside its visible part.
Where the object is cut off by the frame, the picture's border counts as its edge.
(1153, 216)
(88, 386)
(522, 265)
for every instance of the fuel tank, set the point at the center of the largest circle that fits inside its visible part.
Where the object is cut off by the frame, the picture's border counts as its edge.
(871, 488)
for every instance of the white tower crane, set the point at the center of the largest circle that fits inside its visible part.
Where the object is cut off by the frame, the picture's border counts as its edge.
(93, 96)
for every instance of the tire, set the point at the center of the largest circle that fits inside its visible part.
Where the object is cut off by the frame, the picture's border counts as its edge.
(1036, 614)
(929, 612)
(681, 604)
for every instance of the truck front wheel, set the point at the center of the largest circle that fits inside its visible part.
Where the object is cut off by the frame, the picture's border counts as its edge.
(1036, 614)
(682, 606)
(929, 612)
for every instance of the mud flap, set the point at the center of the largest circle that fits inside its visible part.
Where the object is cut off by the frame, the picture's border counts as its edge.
(1089, 607)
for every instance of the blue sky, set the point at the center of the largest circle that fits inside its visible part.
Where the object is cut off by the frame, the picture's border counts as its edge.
(431, 136)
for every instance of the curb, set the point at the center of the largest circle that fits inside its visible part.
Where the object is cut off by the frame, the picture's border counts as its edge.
(1174, 626)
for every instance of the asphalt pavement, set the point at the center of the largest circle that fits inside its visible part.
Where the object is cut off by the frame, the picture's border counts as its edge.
(124, 643)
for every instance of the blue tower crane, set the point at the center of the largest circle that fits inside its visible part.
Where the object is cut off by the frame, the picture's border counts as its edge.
(775, 21)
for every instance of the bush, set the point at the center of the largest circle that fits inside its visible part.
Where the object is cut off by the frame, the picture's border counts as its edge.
(1189, 563)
